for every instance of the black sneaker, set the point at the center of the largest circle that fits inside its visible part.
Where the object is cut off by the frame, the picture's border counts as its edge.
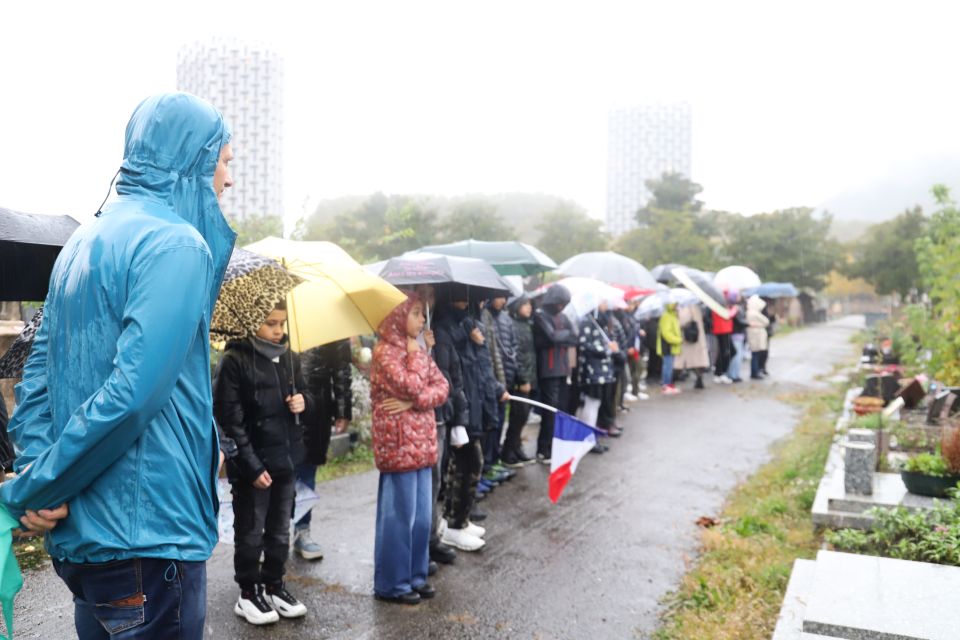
(511, 461)
(284, 603)
(522, 457)
(442, 553)
(425, 590)
(432, 568)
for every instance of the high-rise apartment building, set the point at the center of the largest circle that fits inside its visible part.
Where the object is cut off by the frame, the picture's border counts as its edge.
(644, 142)
(246, 83)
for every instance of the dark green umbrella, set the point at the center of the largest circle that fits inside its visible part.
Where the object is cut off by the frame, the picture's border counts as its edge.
(509, 258)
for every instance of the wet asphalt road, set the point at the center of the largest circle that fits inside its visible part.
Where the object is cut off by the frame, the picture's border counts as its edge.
(593, 566)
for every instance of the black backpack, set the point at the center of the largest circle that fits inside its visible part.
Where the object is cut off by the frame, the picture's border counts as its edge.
(691, 332)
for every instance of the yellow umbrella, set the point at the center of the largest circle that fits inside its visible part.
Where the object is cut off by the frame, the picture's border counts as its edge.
(338, 299)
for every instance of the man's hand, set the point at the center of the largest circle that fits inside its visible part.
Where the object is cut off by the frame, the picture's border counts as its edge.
(477, 336)
(505, 396)
(429, 338)
(264, 481)
(525, 387)
(341, 425)
(35, 522)
(296, 404)
(614, 347)
(396, 405)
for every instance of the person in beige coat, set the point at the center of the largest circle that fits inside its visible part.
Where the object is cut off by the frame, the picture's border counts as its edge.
(756, 334)
(694, 356)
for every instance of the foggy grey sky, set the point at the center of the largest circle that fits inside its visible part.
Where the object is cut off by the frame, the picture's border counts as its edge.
(792, 104)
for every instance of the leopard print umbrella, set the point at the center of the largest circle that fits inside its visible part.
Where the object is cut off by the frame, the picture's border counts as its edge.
(252, 287)
(11, 364)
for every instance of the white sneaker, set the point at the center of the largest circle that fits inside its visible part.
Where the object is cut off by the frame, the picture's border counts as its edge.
(255, 608)
(725, 379)
(629, 397)
(642, 386)
(285, 604)
(643, 396)
(461, 539)
(475, 530)
(717, 379)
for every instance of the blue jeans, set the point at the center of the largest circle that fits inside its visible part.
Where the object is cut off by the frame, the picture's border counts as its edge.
(137, 599)
(666, 375)
(733, 371)
(401, 549)
(307, 474)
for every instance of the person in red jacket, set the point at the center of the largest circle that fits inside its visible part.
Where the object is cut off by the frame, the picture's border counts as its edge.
(405, 387)
(723, 329)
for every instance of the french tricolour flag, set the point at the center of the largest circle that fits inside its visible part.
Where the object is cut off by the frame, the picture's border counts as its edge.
(572, 440)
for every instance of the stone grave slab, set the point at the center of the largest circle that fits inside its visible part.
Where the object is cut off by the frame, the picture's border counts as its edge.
(790, 622)
(858, 597)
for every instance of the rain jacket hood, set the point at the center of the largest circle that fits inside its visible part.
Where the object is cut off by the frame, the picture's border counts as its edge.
(393, 329)
(114, 412)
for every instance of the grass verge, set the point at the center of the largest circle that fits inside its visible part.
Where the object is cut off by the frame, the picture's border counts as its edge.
(735, 588)
(359, 460)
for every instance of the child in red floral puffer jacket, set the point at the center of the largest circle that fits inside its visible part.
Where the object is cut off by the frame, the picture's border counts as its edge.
(405, 387)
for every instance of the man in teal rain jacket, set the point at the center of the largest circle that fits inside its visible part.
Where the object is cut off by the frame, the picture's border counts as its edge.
(114, 428)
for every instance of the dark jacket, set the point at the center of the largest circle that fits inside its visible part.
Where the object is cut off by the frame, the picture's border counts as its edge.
(326, 370)
(506, 343)
(481, 389)
(740, 320)
(526, 351)
(616, 332)
(553, 335)
(455, 412)
(249, 392)
(7, 454)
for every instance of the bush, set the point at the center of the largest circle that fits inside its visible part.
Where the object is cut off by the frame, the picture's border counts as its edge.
(930, 464)
(931, 536)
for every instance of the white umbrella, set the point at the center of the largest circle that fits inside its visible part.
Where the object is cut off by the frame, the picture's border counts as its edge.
(653, 305)
(586, 294)
(609, 267)
(736, 278)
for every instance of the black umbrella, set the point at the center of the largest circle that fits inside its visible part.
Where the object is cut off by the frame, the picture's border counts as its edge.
(664, 272)
(425, 268)
(29, 245)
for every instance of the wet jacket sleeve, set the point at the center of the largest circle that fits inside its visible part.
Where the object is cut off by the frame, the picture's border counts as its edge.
(409, 376)
(155, 339)
(549, 336)
(670, 329)
(31, 427)
(449, 364)
(229, 412)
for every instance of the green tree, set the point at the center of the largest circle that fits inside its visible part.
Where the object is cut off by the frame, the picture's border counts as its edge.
(938, 256)
(674, 192)
(254, 228)
(791, 245)
(568, 230)
(670, 236)
(886, 256)
(380, 228)
(477, 219)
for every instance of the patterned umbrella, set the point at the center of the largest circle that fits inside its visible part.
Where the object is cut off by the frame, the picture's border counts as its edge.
(252, 287)
(11, 364)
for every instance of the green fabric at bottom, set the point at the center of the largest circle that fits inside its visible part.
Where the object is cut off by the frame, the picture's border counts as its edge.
(10, 579)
